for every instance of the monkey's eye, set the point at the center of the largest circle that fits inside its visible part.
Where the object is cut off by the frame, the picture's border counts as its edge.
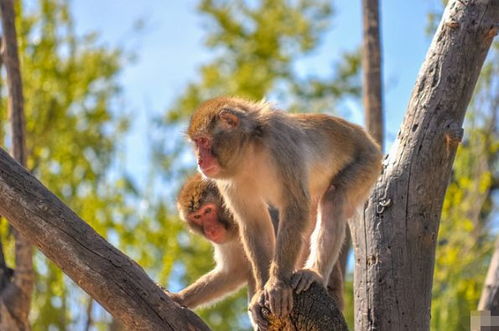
(207, 210)
(202, 141)
(197, 216)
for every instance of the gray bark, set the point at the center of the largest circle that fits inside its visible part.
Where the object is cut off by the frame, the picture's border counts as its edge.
(395, 243)
(15, 297)
(489, 299)
(110, 277)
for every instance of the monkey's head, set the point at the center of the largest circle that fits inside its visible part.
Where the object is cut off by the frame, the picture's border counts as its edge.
(221, 129)
(201, 207)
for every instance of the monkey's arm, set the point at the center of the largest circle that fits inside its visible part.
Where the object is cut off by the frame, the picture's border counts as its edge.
(213, 285)
(292, 225)
(257, 234)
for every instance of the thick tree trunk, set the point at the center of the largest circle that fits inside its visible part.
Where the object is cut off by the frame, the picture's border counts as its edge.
(371, 69)
(110, 277)
(395, 244)
(15, 297)
(490, 294)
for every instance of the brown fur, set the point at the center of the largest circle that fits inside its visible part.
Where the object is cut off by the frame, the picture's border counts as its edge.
(232, 268)
(298, 163)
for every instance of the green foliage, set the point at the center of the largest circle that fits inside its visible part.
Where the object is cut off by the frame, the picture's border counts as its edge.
(465, 245)
(73, 133)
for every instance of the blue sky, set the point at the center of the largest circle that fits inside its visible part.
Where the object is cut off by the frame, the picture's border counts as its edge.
(169, 50)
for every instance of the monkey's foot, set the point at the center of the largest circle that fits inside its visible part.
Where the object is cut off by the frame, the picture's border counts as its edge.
(302, 279)
(176, 297)
(278, 297)
(258, 310)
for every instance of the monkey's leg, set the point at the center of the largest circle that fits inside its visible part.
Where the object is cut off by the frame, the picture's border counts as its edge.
(301, 282)
(327, 238)
(335, 282)
(335, 286)
(349, 190)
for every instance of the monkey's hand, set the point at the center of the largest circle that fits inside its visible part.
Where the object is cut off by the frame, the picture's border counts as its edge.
(258, 310)
(302, 279)
(278, 297)
(177, 297)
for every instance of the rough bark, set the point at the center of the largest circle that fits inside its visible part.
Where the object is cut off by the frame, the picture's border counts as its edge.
(313, 310)
(395, 243)
(16, 296)
(489, 299)
(371, 70)
(110, 277)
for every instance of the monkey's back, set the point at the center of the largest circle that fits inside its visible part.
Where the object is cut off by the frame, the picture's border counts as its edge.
(332, 144)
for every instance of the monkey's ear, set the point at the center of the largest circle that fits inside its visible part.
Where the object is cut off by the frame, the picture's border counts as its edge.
(229, 118)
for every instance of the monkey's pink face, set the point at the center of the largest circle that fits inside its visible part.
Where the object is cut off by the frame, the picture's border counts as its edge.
(206, 219)
(207, 162)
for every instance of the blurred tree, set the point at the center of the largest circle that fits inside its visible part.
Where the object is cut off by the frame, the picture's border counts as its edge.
(372, 97)
(16, 289)
(74, 127)
(372, 82)
(256, 46)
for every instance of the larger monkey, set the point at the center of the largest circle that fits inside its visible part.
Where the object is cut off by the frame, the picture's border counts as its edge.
(297, 163)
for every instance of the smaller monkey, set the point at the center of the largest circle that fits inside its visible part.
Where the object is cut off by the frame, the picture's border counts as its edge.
(201, 207)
